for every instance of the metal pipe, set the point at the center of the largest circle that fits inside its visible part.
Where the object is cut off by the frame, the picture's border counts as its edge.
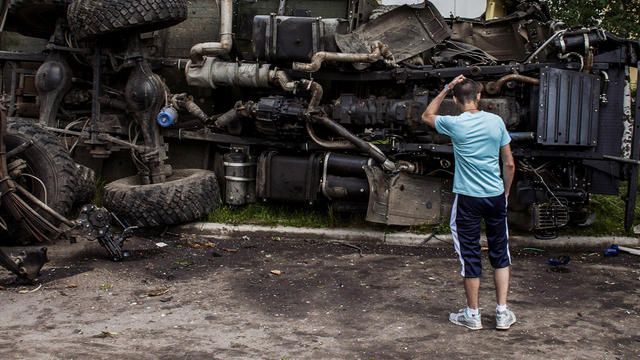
(316, 92)
(44, 206)
(280, 77)
(494, 87)
(199, 51)
(194, 109)
(522, 136)
(544, 45)
(328, 144)
(227, 118)
(378, 51)
(360, 144)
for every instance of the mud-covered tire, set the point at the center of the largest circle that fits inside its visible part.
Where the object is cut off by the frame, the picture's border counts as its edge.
(189, 194)
(36, 18)
(86, 185)
(47, 160)
(93, 18)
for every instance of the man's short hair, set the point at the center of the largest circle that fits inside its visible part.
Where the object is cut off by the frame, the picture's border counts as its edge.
(467, 91)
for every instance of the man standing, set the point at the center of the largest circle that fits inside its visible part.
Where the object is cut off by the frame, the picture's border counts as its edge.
(479, 140)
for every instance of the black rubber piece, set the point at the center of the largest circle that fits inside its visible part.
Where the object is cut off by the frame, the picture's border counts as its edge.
(93, 18)
(36, 18)
(47, 160)
(86, 185)
(187, 195)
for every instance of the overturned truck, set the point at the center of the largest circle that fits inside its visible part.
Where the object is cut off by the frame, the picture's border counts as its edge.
(307, 102)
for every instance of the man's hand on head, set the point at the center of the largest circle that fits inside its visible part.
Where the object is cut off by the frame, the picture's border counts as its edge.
(430, 114)
(455, 81)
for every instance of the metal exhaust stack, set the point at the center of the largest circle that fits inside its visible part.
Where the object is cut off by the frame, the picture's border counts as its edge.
(199, 51)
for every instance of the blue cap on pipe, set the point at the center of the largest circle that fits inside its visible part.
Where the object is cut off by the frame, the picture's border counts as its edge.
(167, 116)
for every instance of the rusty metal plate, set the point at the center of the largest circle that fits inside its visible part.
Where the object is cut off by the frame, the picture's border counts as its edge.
(405, 30)
(406, 199)
(414, 200)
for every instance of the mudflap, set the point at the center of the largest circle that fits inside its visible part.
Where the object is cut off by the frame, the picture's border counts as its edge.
(407, 199)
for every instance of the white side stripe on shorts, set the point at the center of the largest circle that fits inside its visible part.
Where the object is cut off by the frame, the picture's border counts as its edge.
(454, 232)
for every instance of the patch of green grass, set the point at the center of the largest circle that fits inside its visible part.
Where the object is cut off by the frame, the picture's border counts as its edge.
(105, 287)
(98, 196)
(609, 211)
(284, 215)
(307, 216)
(609, 215)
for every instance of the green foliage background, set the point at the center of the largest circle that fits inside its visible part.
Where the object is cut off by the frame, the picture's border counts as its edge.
(621, 17)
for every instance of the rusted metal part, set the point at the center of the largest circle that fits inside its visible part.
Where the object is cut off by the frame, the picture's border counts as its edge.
(405, 30)
(316, 92)
(27, 265)
(43, 206)
(328, 144)
(282, 78)
(239, 110)
(146, 94)
(199, 51)
(404, 199)
(494, 87)
(213, 72)
(95, 223)
(53, 80)
(360, 144)
(379, 51)
(195, 110)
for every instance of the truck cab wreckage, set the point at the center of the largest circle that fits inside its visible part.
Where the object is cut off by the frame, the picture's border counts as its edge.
(307, 102)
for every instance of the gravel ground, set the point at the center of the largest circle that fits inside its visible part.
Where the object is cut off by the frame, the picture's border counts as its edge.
(272, 298)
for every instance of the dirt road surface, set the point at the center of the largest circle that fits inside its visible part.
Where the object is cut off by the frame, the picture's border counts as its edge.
(279, 299)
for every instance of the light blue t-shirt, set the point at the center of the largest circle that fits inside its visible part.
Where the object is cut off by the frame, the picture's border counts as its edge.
(476, 139)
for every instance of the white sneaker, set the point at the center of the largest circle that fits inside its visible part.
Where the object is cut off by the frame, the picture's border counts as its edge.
(464, 319)
(505, 319)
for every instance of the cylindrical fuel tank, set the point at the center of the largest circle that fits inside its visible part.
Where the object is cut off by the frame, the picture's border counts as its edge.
(240, 179)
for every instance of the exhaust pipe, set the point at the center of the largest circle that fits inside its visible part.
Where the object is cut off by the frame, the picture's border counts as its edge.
(379, 51)
(199, 51)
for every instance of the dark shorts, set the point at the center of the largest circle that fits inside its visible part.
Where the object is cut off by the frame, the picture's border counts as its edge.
(466, 214)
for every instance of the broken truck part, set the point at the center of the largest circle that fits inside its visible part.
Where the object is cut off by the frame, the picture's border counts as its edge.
(321, 102)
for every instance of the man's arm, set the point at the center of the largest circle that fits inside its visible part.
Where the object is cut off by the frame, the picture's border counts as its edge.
(429, 115)
(508, 167)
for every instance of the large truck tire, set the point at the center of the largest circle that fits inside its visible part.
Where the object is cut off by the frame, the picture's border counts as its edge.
(48, 161)
(187, 195)
(93, 18)
(35, 18)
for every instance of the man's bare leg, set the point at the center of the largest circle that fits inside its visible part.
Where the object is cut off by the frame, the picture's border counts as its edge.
(501, 279)
(471, 288)
(469, 317)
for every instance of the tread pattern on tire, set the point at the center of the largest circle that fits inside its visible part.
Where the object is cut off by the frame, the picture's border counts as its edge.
(86, 185)
(188, 195)
(93, 18)
(61, 193)
(35, 18)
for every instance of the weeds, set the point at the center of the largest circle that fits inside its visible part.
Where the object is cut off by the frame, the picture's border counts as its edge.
(609, 211)
(98, 196)
(284, 215)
